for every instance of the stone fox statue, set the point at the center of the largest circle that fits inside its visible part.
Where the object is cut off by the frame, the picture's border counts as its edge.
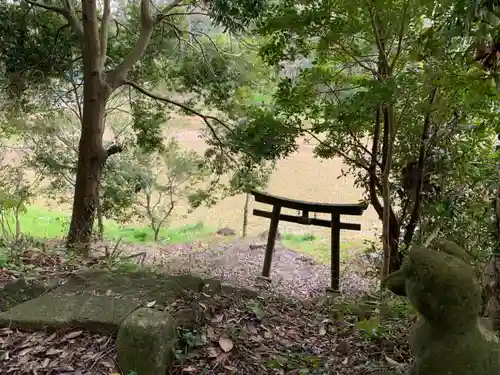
(442, 286)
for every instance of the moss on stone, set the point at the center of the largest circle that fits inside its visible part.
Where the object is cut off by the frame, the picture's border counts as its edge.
(438, 284)
(447, 339)
(56, 311)
(94, 300)
(145, 342)
(396, 282)
(452, 248)
(19, 291)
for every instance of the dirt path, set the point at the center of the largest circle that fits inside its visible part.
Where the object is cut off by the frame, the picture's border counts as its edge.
(239, 263)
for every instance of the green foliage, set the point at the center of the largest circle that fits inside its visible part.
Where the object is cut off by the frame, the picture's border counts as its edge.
(218, 72)
(169, 176)
(330, 90)
(120, 186)
(235, 15)
(148, 119)
(30, 39)
(299, 364)
(370, 328)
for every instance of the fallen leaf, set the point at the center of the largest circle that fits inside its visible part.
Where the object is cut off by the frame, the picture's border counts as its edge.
(51, 337)
(251, 328)
(189, 369)
(212, 352)
(72, 335)
(218, 318)
(107, 364)
(322, 330)
(53, 351)
(150, 304)
(210, 333)
(24, 352)
(392, 362)
(226, 344)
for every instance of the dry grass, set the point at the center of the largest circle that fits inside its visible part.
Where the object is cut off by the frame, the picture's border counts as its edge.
(301, 176)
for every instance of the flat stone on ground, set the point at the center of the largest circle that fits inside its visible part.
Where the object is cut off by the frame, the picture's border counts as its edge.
(100, 300)
(56, 311)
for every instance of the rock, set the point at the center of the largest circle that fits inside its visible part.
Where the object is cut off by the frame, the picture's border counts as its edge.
(452, 248)
(226, 232)
(145, 342)
(257, 246)
(443, 288)
(53, 311)
(22, 290)
(98, 300)
(264, 235)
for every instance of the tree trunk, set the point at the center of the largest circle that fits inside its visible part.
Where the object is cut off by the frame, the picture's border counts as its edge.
(245, 215)
(386, 194)
(91, 153)
(91, 158)
(100, 221)
(394, 260)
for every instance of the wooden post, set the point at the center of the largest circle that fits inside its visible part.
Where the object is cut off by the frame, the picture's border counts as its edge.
(335, 253)
(271, 239)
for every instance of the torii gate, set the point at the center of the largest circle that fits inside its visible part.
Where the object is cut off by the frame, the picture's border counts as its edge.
(306, 207)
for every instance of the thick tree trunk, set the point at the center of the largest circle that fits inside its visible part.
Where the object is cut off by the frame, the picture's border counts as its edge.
(91, 153)
(91, 158)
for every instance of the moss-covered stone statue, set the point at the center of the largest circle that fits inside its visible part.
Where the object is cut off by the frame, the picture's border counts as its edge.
(447, 339)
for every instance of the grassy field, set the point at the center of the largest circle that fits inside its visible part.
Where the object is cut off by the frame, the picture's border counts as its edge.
(39, 222)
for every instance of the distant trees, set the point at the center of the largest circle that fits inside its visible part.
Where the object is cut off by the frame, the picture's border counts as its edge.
(169, 177)
(94, 55)
(400, 102)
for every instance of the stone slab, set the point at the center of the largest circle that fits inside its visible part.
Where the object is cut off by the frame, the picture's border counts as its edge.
(57, 311)
(99, 300)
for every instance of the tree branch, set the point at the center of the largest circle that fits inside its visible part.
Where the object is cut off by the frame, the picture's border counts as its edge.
(113, 149)
(117, 75)
(165, 11)
(378, 37)
(401, 32)
(67, 12)
(52, 8)
(73, 20)
(103, 32)
(415, 214)
(205, 118)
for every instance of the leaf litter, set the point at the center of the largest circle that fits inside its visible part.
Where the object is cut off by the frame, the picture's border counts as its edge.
(309, 334)
(75, 353)
(320, 336)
